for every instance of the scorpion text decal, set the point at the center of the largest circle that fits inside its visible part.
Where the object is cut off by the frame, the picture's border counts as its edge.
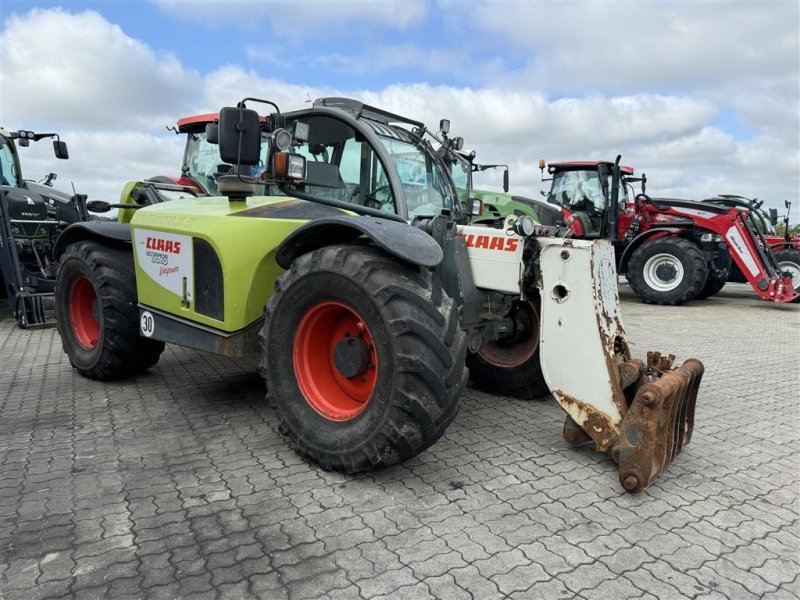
(167, 259)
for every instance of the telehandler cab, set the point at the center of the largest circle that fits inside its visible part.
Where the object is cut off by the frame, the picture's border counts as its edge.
(365, 296)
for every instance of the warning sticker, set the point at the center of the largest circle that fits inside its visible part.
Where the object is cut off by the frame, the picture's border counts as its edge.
(167, 259)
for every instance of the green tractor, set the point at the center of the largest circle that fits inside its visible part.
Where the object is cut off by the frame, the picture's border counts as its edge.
(494, 206)
(368, 297)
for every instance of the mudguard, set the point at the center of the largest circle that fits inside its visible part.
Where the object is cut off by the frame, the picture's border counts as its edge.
(93, 230)
(398, 239)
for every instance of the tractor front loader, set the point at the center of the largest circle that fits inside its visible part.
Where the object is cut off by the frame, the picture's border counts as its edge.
(366, 293)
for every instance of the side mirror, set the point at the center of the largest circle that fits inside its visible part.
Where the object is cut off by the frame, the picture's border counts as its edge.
(98, 206)
(239, 136)
(212, 133)
(773, 216)
(474, 207)
(60, 149)
(505, 181)
(444, 126)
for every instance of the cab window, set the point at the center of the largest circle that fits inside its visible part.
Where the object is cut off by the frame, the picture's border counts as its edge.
(341, 166)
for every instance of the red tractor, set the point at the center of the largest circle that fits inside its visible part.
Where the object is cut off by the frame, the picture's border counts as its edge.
(201, 162)
(670, 250)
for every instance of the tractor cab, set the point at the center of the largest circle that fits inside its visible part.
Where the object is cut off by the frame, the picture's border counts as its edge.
(201, 161)
(31, 217)
(582, 190)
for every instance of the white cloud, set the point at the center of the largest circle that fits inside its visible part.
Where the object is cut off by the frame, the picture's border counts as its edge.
(604, 45)
(101, 162)
(110, 95)
(67, 69)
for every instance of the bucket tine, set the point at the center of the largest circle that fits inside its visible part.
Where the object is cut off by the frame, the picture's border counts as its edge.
(659, 423)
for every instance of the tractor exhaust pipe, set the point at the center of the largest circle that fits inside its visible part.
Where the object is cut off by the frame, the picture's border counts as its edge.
(613, 204)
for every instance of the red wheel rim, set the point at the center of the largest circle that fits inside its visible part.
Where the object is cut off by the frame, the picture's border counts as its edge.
(513, 353)
(82, 305)
(337, 389)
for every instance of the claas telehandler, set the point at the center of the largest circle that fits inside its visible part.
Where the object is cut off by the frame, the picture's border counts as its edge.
(367, 296)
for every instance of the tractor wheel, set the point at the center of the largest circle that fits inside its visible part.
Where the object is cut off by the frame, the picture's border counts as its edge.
(511, 367)
(713, 285)
(667, 270)
(789, 262)
(97, 313)
(717, 277)
(363, 357)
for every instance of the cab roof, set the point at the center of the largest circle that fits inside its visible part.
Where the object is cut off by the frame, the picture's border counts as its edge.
(581, 165)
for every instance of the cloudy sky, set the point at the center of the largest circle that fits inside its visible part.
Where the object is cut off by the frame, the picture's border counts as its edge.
(702, 96)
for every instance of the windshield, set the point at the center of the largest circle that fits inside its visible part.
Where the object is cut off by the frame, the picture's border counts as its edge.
(761, 222)
(461, 171)
(8, 166)
(202, 162)
(424, 183)
(581, 191)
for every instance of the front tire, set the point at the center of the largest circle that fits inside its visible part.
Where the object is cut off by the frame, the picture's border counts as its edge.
(512, 367)
(667, 270)
(717, 276)
(97, 313)
(363, 357)
(789, 262)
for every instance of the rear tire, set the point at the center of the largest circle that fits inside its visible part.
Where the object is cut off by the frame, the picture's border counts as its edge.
(363, 357)
(97, 313)
(789, 261)
(667, 270)
(511, 368)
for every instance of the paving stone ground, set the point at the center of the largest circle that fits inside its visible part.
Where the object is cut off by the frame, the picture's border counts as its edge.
(177, 484)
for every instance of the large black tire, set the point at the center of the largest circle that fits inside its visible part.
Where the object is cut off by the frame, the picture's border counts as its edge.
(789, 262)
(717, 276)
(713, 285)
(97, 313)
(667, 270)
(512, 367)
(405, 357)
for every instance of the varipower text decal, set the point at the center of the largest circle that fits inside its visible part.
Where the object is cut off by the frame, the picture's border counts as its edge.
(167, 259)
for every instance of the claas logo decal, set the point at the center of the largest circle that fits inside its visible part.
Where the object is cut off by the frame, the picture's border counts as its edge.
(491, 242)
(153, 243)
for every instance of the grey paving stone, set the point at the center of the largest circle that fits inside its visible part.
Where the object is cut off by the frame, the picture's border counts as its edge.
(177, 484)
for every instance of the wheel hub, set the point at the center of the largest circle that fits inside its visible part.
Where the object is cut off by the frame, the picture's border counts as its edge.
(792, 269)
(663, 272)
(514, 350)
(335, 360)
(351, 357)
(666, 272)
